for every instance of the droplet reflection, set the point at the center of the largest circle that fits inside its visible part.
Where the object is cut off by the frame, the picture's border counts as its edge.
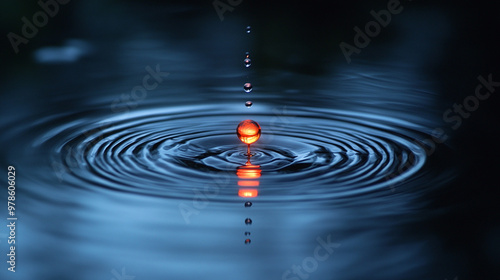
(248, 62)
(247, 87)
(248, 192)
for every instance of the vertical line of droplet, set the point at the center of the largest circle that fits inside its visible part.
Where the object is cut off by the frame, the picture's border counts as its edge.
(247, 87)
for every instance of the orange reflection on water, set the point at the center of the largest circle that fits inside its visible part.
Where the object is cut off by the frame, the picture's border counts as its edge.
(248, 171)
(248, 183)
(248, 175)
(248, 193)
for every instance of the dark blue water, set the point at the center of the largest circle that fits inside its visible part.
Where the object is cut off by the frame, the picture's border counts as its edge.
(115, 183)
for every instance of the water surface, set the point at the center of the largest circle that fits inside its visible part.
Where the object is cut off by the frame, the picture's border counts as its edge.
(113, 183)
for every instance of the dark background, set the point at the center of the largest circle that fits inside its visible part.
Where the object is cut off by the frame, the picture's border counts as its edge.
(303, 37)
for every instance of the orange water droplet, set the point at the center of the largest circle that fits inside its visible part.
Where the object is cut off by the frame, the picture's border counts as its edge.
(248, 131)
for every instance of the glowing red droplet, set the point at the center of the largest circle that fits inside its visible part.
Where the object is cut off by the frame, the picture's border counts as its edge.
(248, 131)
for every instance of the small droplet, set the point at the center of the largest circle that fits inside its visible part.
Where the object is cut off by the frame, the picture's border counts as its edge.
(247, 62)
(248, 241)
(249, 29)
(248, 104)
(247, 233)
(248, 131)
(248, 221)
(248, 204)
(247, 87)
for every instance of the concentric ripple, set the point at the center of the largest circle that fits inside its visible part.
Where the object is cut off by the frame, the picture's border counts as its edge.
(303, 152)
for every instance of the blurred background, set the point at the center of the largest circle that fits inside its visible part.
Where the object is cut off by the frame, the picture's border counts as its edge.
(79, 68)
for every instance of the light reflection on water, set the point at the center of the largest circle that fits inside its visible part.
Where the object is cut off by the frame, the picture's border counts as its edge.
(154, 188)
(160, 186)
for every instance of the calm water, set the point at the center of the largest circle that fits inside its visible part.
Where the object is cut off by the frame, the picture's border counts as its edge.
(115, 183)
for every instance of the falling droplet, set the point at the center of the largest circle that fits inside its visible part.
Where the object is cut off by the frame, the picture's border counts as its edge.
(248, 104)
(248, 131)
(248, 221)
(248, 241)
(247, 62)
(249, 29)
(247, 233)
(248, 204)
(247, 87)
